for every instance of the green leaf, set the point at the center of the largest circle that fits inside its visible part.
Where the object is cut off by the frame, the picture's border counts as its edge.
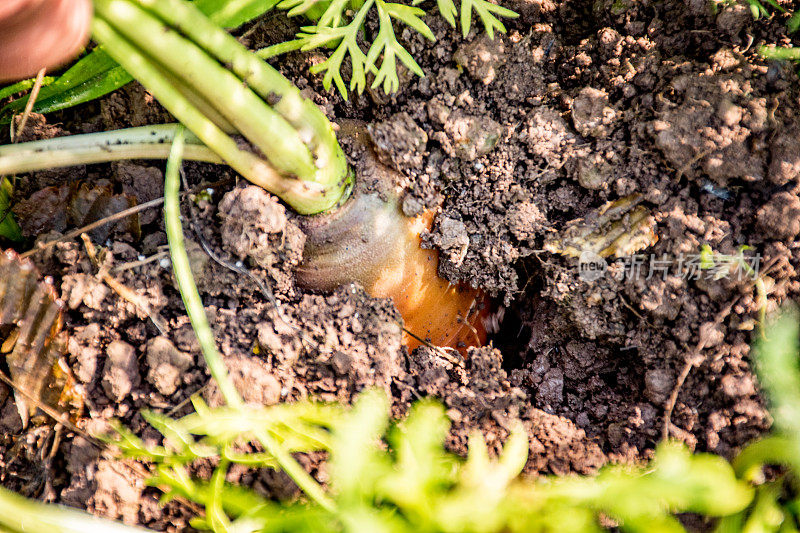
(772, 3)
(778, 370)
(133, 446)
(215, 514)
(332, 17)
(766, 514)
(234, 13)
(312, 9)
(422, 467)
(410, 15)
(22, 86)
(486, 11)
(384, 48)
(182, 444)
(356, 462)
(386, 45)
(757, 10)
(345, 40)
(447, 9)
(772, 449)
(643, 499)
(700, 483)
(8, 226)
(476, 502)
(95, 75)
(794, 23)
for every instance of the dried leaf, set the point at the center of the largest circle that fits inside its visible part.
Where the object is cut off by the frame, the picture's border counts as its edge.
(44, 211)
(30, 323)
(90, 204)
(56, 208)
(619, 228)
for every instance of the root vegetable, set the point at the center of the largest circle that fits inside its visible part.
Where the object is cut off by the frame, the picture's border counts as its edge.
(371, 241)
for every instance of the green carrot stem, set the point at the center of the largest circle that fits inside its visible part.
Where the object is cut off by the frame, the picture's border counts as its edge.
(277, 139)
(184, 278)
(204, 333)
(263, 79)
(780, 53)
(304, 197)
(147, 142)
(202, 105)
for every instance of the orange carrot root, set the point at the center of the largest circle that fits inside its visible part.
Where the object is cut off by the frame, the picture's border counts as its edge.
(433, 309)
(370, 241)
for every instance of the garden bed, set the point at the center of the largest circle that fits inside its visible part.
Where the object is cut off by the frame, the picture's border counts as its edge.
(514, 141)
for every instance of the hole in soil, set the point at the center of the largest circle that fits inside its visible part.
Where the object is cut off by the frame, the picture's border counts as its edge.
(514, 335)
(512, 338)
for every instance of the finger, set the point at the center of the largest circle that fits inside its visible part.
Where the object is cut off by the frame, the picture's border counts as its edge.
(40, 34)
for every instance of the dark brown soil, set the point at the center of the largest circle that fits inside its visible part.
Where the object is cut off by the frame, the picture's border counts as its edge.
(581, 103)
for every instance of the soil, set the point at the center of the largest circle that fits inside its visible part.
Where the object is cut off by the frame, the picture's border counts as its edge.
(518, 143)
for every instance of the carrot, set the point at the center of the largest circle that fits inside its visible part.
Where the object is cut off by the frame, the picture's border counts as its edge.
(370, 240)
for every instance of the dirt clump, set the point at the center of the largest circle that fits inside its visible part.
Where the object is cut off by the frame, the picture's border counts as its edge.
(482, 58)
(167, 365)
(254, 225)
(779, 218)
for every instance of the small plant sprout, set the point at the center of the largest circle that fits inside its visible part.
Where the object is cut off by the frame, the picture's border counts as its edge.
(724, 265)
(757, 8)
(242, 112)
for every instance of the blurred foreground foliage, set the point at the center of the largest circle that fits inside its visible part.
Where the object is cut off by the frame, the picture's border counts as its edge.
(396, 476)
(776, 506)
(8, 225)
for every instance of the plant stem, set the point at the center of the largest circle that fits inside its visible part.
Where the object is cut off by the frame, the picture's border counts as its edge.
(191, 84)
(781, 53)
(307, 484)
(304, 197)
(204, 333)
(280, 143)
(258, 75)
(147, 142)
(185, 280)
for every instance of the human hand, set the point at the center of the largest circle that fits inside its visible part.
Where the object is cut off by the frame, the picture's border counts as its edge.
(37, 34)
